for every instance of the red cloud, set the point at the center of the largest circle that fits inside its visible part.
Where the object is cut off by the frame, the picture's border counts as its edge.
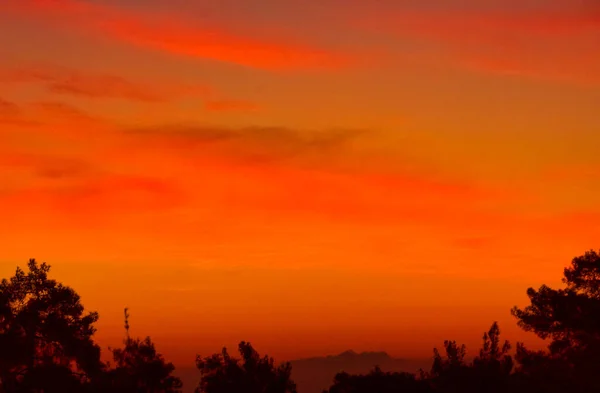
(95, 85)
(449, 26)
(175, 35)
(62, 110)
(11, 114)
(548, 44)
(94, 193)
(263, 171)
(8, 108)
(103, 87)
(43, 166)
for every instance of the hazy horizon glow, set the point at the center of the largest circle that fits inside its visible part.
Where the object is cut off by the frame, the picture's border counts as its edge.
(308, 177)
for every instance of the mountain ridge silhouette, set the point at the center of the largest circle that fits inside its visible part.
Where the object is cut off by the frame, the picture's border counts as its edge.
(315, 373)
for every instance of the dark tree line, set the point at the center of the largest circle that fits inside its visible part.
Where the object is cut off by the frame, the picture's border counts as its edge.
(569, 318)
(47, 346)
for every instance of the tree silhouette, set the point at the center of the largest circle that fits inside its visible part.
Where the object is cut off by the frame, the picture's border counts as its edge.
(139, 368)
(45, 335)
(454, 361)
(492, 354)
(450, 373)
(538, 372)
(491, 370)
(570, 318)
(221, 373)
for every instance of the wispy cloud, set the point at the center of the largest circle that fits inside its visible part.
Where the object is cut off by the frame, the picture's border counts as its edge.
(93, 193)
(179, 35)
(451, 25)
(8, 108)
(258, 144)
(45, 165)
(288, 171)
(65, 81)
(48, 117)
(61, 110)
(12, 114)
(278, 171)
(542, 43)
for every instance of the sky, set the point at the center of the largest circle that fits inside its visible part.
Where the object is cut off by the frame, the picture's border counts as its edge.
(308, 176)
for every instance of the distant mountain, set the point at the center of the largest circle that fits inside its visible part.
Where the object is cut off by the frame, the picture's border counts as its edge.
(314, 374)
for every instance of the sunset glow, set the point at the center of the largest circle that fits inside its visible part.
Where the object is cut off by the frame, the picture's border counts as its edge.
(311, 176)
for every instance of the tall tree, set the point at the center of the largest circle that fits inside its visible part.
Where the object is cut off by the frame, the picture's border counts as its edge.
(494, 360)
(454, 361)
(489, 372)
(45, 335)
(569, 318)
(491, 369)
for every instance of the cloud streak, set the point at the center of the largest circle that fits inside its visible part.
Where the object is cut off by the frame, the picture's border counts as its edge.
(546, 44)
(277, 135)
(61, 110)
(8, 108)
(177, 35)
(75, 191)
(65, 81)
(248, 144)
(278, 172)
(286, 171)
(45, 165)
(12, 114)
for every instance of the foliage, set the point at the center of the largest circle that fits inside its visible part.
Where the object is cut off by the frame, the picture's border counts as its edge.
(46, 344)
(569, 317)
(139, 369)
(220, 373)
(45, 335)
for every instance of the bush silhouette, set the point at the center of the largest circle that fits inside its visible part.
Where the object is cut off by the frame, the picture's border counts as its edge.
(139, 369)
(221, 373)
(378, 381)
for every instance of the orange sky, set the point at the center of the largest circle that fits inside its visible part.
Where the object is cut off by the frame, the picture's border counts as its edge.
(309, 176)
